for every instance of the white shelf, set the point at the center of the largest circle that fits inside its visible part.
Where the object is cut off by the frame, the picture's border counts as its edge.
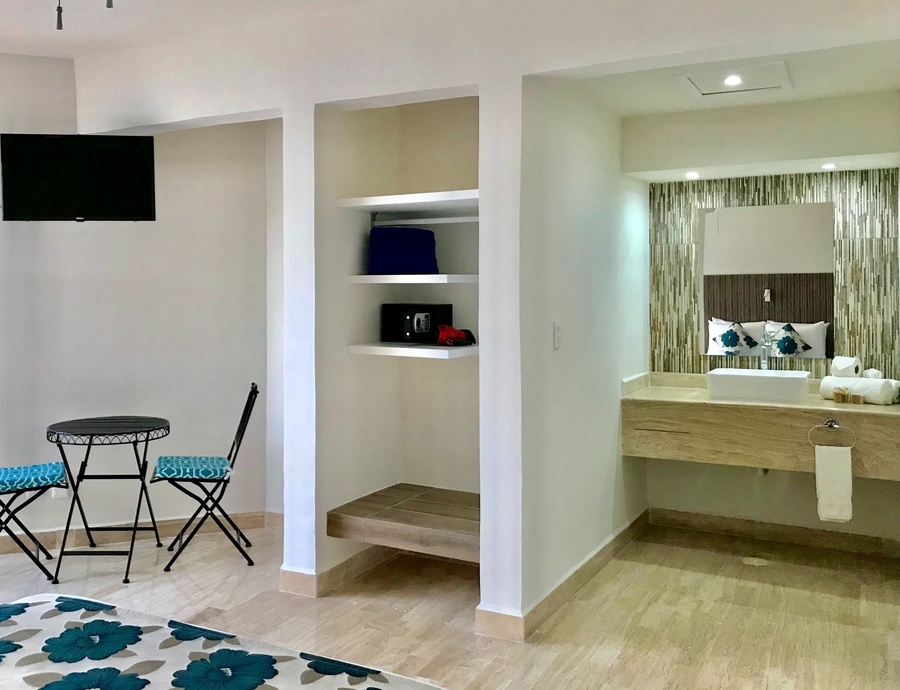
(457, 202)
(446, 220)
(427, 279)
(420, 351)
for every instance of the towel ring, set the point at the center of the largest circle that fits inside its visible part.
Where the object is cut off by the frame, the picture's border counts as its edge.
(832, 425)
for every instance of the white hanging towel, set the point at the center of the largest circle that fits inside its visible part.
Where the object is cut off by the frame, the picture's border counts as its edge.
(834, 483)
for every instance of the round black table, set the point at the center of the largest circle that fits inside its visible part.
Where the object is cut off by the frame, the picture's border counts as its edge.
(107, 431)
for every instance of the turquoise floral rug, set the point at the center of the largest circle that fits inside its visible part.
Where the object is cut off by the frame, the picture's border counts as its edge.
(65, 643)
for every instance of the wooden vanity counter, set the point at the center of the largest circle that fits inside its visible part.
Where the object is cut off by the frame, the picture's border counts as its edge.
(682, 423)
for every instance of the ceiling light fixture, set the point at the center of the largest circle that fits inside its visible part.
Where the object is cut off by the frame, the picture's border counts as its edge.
(829, 166)
(693, 175)
(59, 13)
(733, 80)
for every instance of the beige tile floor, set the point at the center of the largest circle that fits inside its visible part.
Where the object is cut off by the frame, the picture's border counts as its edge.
(675, 610)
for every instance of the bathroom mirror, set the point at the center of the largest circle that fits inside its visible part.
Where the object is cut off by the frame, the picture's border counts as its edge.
(765, 267)
(866, 279)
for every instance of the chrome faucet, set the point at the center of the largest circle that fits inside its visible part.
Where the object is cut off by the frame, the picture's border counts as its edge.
(766, 347)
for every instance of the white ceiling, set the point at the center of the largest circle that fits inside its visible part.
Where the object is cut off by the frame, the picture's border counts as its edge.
(785, 167)
(28, 27)
(842, 71)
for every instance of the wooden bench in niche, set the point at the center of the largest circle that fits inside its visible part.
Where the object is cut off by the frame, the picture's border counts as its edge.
(439, 522)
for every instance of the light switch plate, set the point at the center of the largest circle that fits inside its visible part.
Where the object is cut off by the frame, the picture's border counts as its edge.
(557, 335)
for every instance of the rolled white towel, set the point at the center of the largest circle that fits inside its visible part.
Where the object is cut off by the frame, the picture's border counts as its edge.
(874, 391)
(848, 367)
(896, 386)
(873, 374)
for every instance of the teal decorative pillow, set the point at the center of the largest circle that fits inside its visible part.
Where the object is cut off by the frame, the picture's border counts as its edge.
(735, 340)
(788, 343)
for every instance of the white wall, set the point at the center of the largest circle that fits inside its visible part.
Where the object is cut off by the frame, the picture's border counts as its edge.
(787, 498)
(864, 124)
(440, 399)
(790, 238)
(37, 95)
(388, 47)
(275, 317)
(358, 425)
(585, 262)
(368, 163)
(439, 145)
(165, 318)
(409, 148)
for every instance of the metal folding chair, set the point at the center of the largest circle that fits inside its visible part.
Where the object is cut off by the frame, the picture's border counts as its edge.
(205, 478)
(28, 483)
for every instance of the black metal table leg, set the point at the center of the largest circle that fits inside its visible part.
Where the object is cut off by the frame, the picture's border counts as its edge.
(107, 431)
(143, 492)
(75, 483)
(142, 470)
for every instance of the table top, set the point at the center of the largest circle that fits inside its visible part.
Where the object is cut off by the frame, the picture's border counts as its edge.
(107, 431)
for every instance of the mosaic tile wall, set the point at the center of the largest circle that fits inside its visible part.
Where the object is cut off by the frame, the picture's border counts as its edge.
(867, 264)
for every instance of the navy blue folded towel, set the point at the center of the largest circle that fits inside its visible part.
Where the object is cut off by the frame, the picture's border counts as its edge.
(400, 249)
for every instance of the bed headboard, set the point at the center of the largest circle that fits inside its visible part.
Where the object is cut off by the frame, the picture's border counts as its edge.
(796, 297)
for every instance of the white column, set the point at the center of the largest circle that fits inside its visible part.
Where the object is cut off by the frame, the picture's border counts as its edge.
(299, 340)
(500, 385)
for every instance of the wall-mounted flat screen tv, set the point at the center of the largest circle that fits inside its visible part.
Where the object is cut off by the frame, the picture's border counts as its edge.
(77, 177)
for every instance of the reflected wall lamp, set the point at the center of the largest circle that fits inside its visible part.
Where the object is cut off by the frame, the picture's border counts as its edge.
(59, 13)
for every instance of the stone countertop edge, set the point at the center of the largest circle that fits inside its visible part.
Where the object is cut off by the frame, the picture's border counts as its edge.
(676, 388)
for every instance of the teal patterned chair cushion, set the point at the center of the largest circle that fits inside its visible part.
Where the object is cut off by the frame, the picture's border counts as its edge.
(32, 477)
(191, 467)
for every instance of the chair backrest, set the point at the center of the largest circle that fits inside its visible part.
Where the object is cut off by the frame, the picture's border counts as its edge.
(242, 425)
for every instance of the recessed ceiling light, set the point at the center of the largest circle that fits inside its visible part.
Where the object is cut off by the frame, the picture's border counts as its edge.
(693, 175)
(829, 166)
(733, 80)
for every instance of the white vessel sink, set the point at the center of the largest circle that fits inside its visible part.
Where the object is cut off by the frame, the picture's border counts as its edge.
(757, 385)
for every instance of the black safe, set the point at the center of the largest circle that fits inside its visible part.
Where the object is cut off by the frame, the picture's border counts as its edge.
(414, 323)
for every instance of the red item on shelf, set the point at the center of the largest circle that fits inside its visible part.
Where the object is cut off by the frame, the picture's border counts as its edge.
(448, 335)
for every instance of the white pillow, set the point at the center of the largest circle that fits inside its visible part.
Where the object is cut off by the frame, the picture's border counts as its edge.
(717, 327)
(814, 334)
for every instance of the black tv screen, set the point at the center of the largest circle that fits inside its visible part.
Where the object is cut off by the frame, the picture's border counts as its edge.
(77, 177)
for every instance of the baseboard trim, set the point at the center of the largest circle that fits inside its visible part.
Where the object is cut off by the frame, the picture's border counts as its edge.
(330, 581)
(775, 532)
(52, 539)
(569, 587)
(520, 628)
(294, 582)
(504, 626)
(274, 519)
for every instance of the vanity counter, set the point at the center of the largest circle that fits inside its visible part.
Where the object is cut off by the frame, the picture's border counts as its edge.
(680, 422)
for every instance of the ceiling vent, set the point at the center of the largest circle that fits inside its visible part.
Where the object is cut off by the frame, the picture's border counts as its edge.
(761, 76)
